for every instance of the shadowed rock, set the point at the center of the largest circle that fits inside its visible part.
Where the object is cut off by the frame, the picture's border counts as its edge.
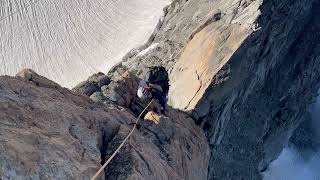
(99, 78)
(92, 84)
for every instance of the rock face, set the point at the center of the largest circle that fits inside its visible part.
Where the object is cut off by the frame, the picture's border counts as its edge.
(255, 101)
(93, 84)
(53, 133)
(246, 70)
(305, 136)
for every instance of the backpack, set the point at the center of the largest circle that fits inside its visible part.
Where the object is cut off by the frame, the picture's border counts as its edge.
(158, 75)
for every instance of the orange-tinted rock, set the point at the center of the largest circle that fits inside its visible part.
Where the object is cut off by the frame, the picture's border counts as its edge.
(207, 52)
(152, 116)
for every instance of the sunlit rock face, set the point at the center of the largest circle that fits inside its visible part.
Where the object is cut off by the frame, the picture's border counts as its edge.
(211, 45)
(69, 40)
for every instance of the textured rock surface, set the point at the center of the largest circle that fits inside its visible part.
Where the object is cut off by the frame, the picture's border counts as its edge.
(152, 116)
(252, 68)
(30, 75)
(207, 52)
(53, 133)
(307, 136)
(93, 84)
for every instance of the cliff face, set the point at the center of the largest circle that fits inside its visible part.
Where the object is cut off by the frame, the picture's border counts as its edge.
(246, 71)
(48, 132)
(258, 98)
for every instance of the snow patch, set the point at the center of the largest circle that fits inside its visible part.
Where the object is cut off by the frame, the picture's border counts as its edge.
(143, 52)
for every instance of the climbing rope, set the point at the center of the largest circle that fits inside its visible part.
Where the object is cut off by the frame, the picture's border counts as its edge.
(118, 149)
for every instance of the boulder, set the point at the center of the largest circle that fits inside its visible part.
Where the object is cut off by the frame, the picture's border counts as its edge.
(99, 78)
(99, 97)
(152, 116)
(86, 88)
(92, 84)
(122, 90)
(30, 75)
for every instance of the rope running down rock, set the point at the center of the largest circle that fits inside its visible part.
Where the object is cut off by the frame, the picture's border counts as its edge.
(123, 142)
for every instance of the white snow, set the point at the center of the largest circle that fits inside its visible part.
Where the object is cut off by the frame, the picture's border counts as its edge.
(68, 40)
(143, 52)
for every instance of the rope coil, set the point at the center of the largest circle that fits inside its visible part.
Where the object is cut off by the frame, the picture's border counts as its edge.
(121, 145)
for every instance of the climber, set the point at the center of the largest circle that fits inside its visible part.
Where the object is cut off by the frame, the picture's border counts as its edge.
(155, 85)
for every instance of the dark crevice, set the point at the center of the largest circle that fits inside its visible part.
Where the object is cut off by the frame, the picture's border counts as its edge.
(72, 132)
(105, 134)
(199, 120)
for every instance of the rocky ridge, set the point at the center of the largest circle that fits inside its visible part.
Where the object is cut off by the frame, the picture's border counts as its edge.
(49, 132)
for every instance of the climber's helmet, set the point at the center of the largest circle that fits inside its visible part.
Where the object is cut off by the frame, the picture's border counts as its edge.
(143, 90)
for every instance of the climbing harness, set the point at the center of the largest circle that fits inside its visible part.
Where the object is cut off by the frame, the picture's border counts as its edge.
(118, 149)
